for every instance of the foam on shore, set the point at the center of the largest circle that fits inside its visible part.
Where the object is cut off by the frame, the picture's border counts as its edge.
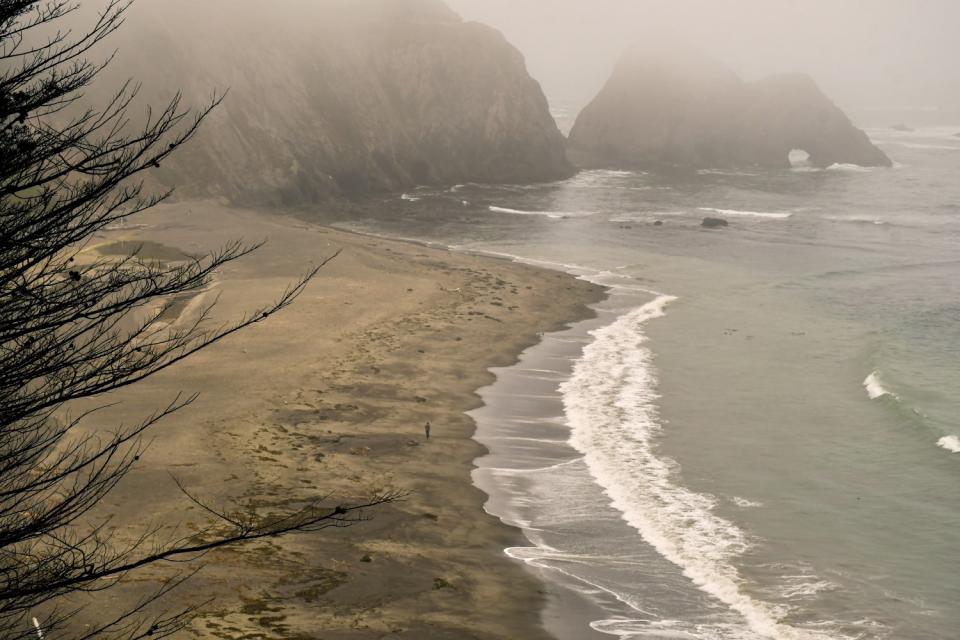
(751, 214)
(610, 405)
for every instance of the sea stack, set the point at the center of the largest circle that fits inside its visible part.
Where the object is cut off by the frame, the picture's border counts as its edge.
(678, 108)
(376, 95)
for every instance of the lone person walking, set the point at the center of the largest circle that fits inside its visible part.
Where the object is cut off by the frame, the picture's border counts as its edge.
(426, 429)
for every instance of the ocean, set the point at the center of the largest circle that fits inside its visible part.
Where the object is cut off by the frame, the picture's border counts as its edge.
(758, 436)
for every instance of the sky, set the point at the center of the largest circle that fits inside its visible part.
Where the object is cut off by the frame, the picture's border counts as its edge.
(864, 53)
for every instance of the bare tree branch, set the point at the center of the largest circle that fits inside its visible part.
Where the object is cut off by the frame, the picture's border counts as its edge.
(72, 331)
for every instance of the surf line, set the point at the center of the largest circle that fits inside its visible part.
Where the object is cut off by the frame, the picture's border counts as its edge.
(610, 404)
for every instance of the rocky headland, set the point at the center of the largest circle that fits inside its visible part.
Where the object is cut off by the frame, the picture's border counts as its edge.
(369, 96)
(682, 109)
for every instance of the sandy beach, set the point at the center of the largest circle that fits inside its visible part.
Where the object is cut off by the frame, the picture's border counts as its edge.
(330, 397)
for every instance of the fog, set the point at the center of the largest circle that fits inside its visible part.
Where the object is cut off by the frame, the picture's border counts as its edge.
(866, 54)
(874, 58)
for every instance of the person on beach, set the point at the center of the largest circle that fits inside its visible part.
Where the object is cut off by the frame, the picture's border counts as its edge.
(426, 429)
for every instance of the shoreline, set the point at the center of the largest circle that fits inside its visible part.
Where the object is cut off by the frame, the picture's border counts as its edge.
(410, 333)
(567, 612)
(526, 403)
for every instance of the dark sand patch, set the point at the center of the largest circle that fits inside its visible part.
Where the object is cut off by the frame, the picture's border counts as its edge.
(145, 250)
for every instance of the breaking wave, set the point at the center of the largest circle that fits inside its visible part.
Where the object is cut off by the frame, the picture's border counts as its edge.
(950, 443)
(609, 402)
(852, 168)
(753, 214)
(874, 387)
(836, 167)
(557, 215)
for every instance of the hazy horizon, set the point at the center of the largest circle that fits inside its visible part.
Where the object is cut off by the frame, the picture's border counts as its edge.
(884, 53)
(865, 55)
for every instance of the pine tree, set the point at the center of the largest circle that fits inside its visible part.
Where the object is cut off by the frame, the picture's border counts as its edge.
(73, 329)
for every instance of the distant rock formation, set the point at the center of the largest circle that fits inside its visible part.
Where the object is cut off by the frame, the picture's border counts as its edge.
(714, 223)
(902, 127)
(680, 109)
(339, 97)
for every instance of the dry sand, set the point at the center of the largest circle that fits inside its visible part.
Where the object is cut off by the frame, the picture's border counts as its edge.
(330, 397)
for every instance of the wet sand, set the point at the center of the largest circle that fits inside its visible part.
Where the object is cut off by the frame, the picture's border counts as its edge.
(330, 398)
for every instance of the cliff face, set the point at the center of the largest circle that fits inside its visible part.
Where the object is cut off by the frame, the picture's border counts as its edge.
(335, 97)
(787, 112)
(686, 110)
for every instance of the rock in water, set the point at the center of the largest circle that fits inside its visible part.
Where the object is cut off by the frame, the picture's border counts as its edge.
(340, 97)
(901, 127)
(714, 223)
(682, 109)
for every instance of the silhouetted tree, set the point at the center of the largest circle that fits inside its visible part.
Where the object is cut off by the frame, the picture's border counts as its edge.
(73, 329)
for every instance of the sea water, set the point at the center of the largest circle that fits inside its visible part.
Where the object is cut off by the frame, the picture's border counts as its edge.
(758, 436)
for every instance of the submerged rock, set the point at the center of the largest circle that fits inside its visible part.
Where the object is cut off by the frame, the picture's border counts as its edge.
(680, 109)
(714, 223)
(341, 97)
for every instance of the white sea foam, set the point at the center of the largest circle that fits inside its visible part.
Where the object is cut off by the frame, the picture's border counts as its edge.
(610, 275)
(409, 198)
(743, 503)
(850, 168)
(805, 586)
(610, 404)
(612, 172)
(753, 214)
(592, 175)
(950, 443)
(855, 219)
(874, 386)
(549, 214)
(836, 167)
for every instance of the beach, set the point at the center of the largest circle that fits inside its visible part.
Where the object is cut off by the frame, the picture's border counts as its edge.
(330, 398)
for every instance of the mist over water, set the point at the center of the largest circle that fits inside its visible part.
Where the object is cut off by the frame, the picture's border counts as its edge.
(866, 55)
